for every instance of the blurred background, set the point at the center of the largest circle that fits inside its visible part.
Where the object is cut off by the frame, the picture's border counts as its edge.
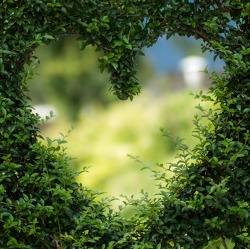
(106, 130)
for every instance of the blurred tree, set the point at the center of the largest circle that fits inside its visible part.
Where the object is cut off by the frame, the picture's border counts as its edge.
(72, 80)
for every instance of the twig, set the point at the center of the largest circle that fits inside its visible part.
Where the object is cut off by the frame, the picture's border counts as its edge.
(224, 243)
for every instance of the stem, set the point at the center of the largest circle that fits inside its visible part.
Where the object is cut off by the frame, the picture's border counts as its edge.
(224, 243)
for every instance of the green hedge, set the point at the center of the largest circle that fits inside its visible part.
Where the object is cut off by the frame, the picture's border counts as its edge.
(207, 199)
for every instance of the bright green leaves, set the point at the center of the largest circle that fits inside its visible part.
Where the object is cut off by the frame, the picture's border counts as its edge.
(123, 42)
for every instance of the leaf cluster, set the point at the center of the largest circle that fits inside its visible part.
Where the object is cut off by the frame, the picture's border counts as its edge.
(208, 197)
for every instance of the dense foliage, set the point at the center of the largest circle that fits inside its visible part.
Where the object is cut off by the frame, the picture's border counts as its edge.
(207, 199)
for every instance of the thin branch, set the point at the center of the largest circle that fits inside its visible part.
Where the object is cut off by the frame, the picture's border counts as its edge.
(224, 243)
(68, 34)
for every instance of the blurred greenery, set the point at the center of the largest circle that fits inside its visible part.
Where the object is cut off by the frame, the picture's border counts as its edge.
(114, 140)
(108, 130)
(71, 79)
(103, 138)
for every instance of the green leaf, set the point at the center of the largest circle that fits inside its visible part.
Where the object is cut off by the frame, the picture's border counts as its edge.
(49, 37)
(115, 65)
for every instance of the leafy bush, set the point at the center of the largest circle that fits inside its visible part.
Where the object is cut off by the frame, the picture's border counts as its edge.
(208, 197)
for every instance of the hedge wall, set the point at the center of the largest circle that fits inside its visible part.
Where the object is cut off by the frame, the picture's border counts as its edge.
(208, 198)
